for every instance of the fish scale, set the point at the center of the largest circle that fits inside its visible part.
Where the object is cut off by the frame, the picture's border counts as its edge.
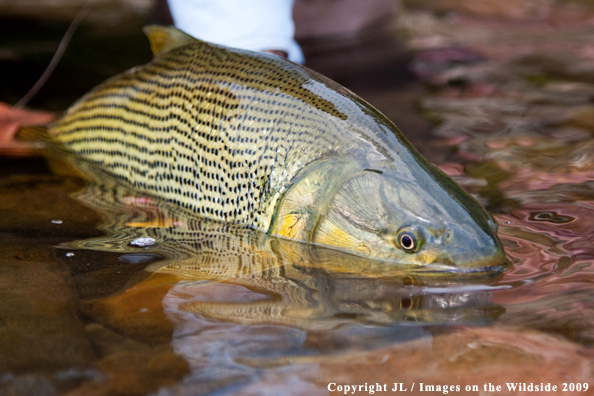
(213, 130)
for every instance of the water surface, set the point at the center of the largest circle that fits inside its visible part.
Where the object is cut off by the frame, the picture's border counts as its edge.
(218, 309)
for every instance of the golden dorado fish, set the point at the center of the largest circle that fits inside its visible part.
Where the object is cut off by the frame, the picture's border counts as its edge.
(246, 137)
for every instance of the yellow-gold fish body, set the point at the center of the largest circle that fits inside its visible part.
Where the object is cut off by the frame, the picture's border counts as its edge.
(245, 137)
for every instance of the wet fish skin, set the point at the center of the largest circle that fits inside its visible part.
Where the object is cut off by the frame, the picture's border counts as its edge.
(239, 136)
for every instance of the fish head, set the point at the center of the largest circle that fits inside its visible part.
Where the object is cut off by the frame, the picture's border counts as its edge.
(423, 219)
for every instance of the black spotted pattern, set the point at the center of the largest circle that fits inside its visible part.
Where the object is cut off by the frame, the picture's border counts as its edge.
(219, 132)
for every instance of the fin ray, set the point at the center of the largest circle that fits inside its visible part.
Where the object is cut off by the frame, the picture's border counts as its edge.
(32, 133)
(163, 38)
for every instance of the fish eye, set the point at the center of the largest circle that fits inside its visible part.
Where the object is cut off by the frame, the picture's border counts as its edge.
(409, 239)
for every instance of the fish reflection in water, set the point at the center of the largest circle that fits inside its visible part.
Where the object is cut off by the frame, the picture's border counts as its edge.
(248, 308)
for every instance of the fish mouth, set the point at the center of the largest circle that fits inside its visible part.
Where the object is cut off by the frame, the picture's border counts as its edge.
(446, 268)
(494, 267)
(432, 274)
(440, 274)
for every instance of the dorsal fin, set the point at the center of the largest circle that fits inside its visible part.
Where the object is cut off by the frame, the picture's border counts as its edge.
(165, 38)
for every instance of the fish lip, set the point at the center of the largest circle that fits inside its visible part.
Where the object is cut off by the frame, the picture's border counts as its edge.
(464, 270)
(452, 269)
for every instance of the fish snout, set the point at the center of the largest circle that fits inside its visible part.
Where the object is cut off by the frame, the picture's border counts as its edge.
(470, 253)
(484, 258)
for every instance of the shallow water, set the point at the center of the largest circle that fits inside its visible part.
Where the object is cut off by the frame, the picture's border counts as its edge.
(214, 309)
